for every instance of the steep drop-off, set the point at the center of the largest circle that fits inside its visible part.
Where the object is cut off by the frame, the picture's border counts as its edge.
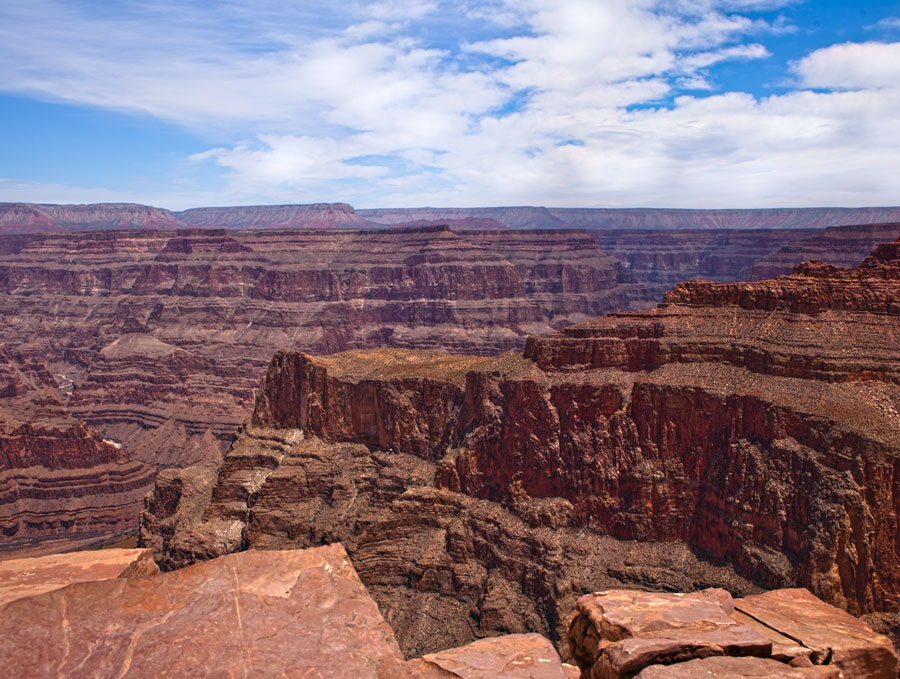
(740, 435)
(163, 337)
(61, 484)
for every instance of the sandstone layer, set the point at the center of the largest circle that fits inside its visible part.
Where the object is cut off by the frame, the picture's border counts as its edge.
(61, 484)
(161, 338)
(740, 435)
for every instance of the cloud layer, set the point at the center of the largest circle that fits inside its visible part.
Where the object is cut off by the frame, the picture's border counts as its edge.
(424, 102)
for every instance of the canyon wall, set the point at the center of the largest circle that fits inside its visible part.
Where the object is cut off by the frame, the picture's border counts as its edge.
(162, 337)
(37, 218)
(522, 217)
(61, 485)
(34, 218)
(741, 435)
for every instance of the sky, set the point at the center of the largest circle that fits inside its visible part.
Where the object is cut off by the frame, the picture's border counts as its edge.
(404, 103)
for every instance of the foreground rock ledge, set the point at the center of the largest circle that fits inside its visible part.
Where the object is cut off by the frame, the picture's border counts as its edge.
(784, 633)
(259, 614)
(301, 613)
(20, 578)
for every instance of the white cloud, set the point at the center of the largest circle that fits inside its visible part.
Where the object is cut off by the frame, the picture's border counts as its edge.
(564, 108)
(852, 66)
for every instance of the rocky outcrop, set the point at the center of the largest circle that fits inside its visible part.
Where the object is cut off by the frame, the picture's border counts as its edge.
(38, 218)
(275, 614)
(21, 578)
(529, 656)
(61, 484)
(740, 435)
(163, 337)
(312, 216)
(782, 633)
(253, 614)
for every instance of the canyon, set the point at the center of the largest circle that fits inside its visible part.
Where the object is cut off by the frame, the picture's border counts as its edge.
(61, 485)
(162, 337)
(740, 435)
(158, 339)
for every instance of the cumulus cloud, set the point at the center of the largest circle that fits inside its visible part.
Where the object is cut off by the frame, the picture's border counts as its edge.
(387, 102)
(852, 66)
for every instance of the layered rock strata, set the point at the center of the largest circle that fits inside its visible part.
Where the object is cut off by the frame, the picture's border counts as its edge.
(643, 218)
(161, 338)
(61, 484)
(38, 218)
(844, 246)
(739, 435)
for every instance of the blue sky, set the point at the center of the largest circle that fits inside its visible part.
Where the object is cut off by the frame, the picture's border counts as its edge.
(584, 103)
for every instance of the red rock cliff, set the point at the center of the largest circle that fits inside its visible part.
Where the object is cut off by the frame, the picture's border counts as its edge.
(747, 425)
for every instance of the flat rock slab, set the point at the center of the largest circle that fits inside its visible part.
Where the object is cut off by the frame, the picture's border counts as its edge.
(516, 656)
(21, 578)
(833, 636)
(736, 668)
(617, 633)
(254, 614)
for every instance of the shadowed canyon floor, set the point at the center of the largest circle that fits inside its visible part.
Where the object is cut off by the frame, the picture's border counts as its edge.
(741, 435)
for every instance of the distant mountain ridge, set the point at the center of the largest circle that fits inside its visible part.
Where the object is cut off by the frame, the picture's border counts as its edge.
(38, 218)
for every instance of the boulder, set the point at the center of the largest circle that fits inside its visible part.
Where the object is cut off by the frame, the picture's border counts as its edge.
(618, 633)
(834, 637)
(515, 656)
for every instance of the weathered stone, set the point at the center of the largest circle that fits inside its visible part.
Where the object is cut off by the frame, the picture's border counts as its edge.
(515, 656)
(833, 636)
(21, 578)
(253, 614)
(618, 633)
(784, 648)
(736, 668)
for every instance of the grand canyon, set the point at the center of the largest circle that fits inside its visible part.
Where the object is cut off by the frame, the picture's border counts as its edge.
(517, 422)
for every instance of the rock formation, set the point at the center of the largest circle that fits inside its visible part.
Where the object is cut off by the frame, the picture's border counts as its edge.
(306, 613)
(277, 614)
(34, 218)
(61, 484)
(838, 245)
(740, 435)
(313, 216)
(642, 218)
(660, 259)
(783, 633)
(164, 336)
(37, 218)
